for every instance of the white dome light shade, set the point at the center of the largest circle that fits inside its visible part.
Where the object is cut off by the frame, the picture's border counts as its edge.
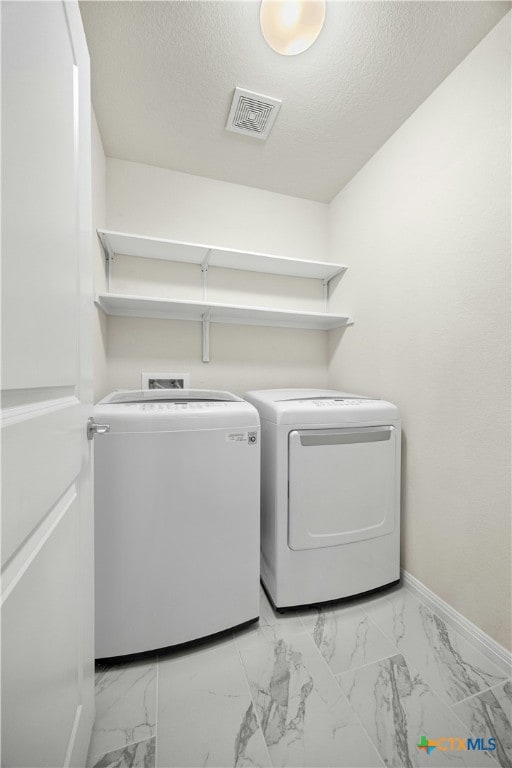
(291, 26)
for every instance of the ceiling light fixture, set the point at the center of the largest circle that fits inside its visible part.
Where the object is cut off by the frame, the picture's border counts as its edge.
(291, 26)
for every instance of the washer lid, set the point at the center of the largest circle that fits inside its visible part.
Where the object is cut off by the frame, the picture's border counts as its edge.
(167, 410)
(168, 396)
(320, 406)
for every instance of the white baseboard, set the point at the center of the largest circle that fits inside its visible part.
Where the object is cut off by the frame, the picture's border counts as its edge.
(489, 647)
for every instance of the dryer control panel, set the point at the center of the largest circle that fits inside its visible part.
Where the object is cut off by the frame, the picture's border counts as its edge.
(333, 402)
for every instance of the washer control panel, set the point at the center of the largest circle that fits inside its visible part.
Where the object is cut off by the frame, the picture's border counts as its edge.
(181, 405)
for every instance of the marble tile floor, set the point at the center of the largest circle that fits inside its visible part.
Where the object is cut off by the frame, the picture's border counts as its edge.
(351, 686)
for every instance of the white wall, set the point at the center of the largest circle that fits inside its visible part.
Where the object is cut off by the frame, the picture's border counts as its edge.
(99, 203)
(425, 230)
(162, 203)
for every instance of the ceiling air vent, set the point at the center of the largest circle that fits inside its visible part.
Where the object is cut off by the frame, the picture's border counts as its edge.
(252, 114)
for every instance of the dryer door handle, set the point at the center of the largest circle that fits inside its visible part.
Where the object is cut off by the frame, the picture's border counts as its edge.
(345, 436)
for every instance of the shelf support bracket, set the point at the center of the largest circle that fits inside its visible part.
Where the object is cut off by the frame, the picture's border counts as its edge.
(109, 257)
(204, 273)
(206, 336)
(325, 283)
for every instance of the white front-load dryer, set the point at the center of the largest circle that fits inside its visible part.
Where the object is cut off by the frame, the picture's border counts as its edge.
(330, 494)
(177, 481)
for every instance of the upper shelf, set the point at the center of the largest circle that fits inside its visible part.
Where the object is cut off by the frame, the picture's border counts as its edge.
(124, 244)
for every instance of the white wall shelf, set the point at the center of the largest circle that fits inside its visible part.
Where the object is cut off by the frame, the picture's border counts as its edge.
(123, 305)
(123, 244)
(205, 256)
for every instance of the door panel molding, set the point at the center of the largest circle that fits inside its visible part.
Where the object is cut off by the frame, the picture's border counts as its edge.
(24, 557)
(41, 684)
(41, 458)
(17, 398)
(17, 413)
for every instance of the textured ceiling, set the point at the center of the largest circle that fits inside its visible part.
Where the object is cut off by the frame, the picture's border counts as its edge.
(163, 75)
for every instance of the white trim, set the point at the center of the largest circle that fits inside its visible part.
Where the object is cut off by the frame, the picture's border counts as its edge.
(14, 398)
(78, 745)
(74, 730)
(476, 636)
(23, 558)
(18, 413)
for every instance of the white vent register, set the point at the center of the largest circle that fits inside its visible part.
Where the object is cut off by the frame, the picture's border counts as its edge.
(252, 113)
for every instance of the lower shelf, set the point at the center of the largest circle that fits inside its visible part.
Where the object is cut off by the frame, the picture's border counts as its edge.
(168, 309)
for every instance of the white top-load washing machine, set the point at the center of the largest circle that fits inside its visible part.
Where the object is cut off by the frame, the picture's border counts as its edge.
(330, 494)
(177, 516)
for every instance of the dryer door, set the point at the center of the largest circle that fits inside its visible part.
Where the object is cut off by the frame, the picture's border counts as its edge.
(342, 485)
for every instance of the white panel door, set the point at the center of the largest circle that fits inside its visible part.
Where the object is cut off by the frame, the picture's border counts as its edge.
(342, 485)
(47, 516)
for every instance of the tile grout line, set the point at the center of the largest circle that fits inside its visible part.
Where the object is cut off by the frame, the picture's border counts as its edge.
(359, 722)
(448, 705)
(360, 666)
(479, 693)
(252, 699)
(94, 760)
(469, 730)
(368, 664)
(433, 691)
(453, 618)
(416, 672)
(474, 646)
(119, 668)
(343, 695)
(491, 756)
(406, 656)
(413, 665)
